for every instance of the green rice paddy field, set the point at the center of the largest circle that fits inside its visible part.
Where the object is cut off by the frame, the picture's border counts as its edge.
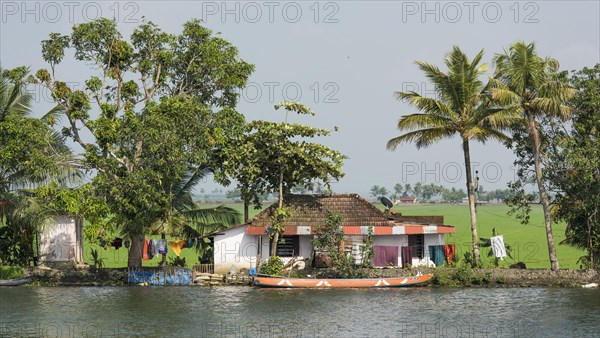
(528, 242)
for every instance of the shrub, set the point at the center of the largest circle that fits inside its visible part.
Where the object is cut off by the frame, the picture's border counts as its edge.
(177, 261)
(443, 277)
(273, 267)
(463, 274)
(11, 272)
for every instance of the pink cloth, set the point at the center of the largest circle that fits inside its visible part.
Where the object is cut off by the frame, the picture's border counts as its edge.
(385, 255)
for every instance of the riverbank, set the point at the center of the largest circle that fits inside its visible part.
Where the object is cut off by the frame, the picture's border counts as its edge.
(442, 277)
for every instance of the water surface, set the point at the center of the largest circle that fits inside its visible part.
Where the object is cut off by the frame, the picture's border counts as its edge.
(251, 312)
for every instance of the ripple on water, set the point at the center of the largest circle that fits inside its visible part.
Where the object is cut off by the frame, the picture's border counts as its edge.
(244, 311)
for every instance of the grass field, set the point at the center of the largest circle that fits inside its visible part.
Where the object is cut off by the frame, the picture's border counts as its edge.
(528, 242)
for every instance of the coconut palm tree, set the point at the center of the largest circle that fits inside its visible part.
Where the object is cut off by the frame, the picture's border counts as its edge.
(530, 84)
(31, 153)
(185, 218)
(462, 108)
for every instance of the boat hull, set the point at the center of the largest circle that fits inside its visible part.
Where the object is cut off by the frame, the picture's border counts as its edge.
(282, 282)
(16, 281)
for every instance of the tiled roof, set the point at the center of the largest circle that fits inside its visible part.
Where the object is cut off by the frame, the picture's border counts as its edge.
(311, 210)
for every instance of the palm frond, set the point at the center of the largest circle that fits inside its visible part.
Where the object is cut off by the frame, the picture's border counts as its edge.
(422, 138)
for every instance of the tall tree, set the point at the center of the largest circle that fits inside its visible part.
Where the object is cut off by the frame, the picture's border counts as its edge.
(462, 108)
(575, 167)
(31, 154)
(275, 158)
(159, 106)
(530, 84)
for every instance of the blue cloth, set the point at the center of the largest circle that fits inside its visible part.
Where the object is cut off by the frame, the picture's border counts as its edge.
(161, 246)
(436, 253)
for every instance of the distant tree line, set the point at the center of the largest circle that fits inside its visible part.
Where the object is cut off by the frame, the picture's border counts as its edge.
(435, 192)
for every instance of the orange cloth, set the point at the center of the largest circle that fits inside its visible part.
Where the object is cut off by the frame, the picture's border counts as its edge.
(145, 250)
(449, 252)
(177, 246)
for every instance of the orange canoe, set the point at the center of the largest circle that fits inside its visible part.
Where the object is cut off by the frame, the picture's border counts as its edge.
(282, 282)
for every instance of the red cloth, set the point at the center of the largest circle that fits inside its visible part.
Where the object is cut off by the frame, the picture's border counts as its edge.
(385, 255)
(145, 250)
(406, 256)
(449, 252)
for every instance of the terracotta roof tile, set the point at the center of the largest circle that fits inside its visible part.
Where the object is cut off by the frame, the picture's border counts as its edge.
(311, 210)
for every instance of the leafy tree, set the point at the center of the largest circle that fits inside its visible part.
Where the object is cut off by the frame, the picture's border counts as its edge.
(31, 154)
(575, 168)
(159, 106)
(453, 195)
(529, 83)
(377, 191)
(408, 191)
(398, 189)
(276, 157)
(463, 109)
(418, 189)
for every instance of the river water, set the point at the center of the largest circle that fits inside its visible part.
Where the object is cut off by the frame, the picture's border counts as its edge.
(252, 312)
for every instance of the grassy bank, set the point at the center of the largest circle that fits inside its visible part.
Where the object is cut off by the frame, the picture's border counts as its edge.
(528, 241)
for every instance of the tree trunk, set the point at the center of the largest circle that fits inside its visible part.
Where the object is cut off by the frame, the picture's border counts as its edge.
(134, 259)
(163, 261)
(276, 235)
(535, 138)
(472, 206)
(246, 213)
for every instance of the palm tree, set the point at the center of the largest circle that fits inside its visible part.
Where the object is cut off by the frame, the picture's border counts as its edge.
(184, 217)
(462, 108)
(31, 153)
(530, 84)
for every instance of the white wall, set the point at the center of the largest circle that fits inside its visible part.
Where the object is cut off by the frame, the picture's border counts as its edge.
(235, 250)
(61, 241)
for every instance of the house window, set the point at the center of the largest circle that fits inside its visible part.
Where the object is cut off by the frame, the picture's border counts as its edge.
(288, 246)
(416, 244)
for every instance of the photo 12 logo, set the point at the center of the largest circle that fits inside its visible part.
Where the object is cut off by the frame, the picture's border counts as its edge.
(470, 12)
(270, 12)
(275, 91)
(68, 11)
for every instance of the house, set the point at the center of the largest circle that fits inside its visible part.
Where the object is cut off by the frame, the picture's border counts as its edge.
(397, 240)
(406, 200)
(62, 241)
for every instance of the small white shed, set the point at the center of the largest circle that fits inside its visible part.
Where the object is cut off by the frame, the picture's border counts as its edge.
(62, 240)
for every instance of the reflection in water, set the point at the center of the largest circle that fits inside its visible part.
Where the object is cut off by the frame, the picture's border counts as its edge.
(250, 312)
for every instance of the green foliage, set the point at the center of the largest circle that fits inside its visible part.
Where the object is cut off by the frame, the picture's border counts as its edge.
(531, 86)
(366, 250)
(147, 133)
(272, 267)
(97, 261)
(328, 238)
(272, 156)
(453, 195)
(176, 261)
(463, 273)
(462, 108)
(11, 272)
(575, 168)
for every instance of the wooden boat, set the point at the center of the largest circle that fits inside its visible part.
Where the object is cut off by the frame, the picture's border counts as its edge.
(283, 282)
(16, 281)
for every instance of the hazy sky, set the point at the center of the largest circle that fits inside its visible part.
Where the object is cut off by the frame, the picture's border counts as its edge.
(344, 59)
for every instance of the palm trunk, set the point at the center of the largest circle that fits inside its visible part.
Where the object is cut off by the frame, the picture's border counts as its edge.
(535, 138)
(472, 206)
(134, 260)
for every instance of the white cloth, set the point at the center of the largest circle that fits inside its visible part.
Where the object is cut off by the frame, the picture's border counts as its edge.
(498, 246)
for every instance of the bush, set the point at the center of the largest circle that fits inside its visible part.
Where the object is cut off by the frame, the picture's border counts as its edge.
(11, 272)
(443, 277)
(176, 261)
(463, 274)
(273, 267)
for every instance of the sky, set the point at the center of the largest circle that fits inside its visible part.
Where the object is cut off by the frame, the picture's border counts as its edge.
(344, 59)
